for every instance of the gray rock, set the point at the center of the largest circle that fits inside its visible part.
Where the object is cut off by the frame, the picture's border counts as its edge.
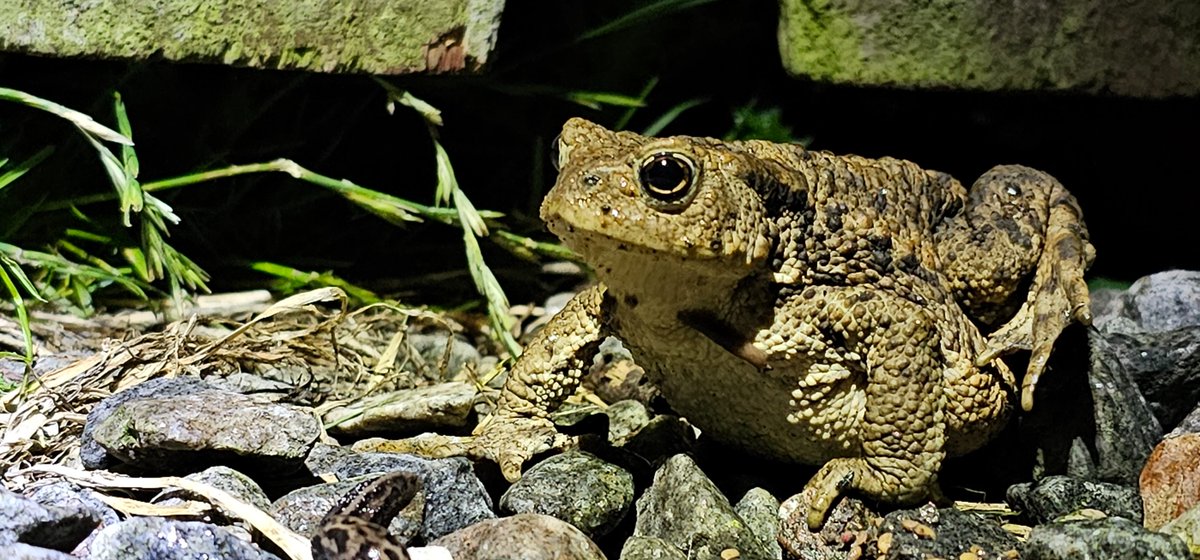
(207, 426)
(1113, 538)
(650, 548)
(1126, 429)
(323, 456)
(301, 510)
(927, 532)
(454, 497)
(162, 539)
(1154, 329)
(436, 362)
(66, 495)
(21, 551)
(91, 453)
(1166, 367)
(684, 508)
(1159, 302)
(525, 536)
(1055, 496)
(665, 436)
(1189, 425)
(60, 527)
(576, 487)
(407, 411)
(625, 418)
(760, 510)
(235, 483)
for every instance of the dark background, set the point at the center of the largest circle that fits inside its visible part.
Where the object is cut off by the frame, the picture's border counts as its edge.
(1130, 162)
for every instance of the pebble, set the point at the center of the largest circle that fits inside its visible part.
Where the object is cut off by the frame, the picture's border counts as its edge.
(685, 509)
(177, 431)
(1170, 481)
(1055, 496)
(1111, 537)
(528, 536)
(576, 487)
(162, 539)
(60, 527)
(454, 496)
(407, 411)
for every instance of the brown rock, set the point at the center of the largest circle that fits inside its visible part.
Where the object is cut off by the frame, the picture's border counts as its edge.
(1170, 481)
(528, 536)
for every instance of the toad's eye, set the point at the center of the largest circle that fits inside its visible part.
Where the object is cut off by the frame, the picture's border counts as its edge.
(667, 177)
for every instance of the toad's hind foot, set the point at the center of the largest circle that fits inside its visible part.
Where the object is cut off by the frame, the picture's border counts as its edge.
(1057, 296)
(839, 476)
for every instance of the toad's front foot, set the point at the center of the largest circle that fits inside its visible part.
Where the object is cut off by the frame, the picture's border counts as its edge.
(510, 441)
(1057, 296)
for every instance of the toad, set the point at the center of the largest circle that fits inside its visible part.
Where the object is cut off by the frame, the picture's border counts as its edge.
(816, 308)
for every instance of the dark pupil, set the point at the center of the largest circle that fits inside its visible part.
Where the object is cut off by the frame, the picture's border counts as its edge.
(665, 175)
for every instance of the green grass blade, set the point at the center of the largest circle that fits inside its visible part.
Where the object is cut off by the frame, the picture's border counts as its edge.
(15, 172)
(623, 121)
(640, 16)
(598, 99)
(668, 117)
(8, 266)
(129, 158)
(87, 124)
(292, 280)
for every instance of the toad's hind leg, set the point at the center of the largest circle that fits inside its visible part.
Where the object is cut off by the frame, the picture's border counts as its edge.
(903, 426)
(1019, 228)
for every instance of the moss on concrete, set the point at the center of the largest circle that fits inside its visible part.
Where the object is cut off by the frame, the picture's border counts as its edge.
(391, 37)
(1138, 47)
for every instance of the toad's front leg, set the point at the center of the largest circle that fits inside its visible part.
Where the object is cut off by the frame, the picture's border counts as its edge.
(1020, 228)
(902, 428)
(543, 377)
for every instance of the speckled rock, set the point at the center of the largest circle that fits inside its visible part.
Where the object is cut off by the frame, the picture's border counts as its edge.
(1166, 367)
(183, 431)
(576, 487)
(1055, 496)
(1189, 425)
(1187, 528)
(66, 495)
(684, 508)
(60, 527)
(760, 510)
(1170, 482)
(849, 519)
(625, 418)
(1154, 329)
(1159, 302)
(1126, 429)
(301, 510)
(1109, 538)
(162, 539)
(21, 551)
(917, 534)
(454, 496)
(235, 483)
(650, 548)
(525, 536)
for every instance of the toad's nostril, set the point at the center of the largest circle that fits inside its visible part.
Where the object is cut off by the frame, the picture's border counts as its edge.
(591, 180)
